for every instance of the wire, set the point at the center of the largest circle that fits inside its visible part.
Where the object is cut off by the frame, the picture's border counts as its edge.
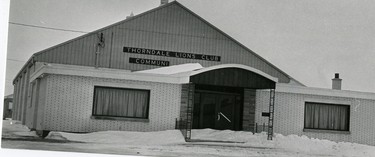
(15, 60)
(56, 29)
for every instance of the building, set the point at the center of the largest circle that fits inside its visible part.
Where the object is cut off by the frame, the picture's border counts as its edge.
(168, 68)
(8, 105)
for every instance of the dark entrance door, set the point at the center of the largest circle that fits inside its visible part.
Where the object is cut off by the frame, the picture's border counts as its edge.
(217, 110)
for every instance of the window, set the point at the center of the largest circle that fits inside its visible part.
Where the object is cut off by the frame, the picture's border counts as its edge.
(10, 105)
(121, 102)
(327, 116)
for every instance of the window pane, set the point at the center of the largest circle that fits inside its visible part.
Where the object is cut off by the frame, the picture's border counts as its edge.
(10, 105)
(121, 102)
(326, 116)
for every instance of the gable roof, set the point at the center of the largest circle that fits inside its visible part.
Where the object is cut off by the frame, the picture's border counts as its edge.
(35, 55)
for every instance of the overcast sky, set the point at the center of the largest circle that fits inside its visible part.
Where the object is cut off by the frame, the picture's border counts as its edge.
(309, 40)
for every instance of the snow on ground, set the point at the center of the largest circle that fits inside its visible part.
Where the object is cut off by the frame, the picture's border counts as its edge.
(124, 137)
(247, 138)
(171, 143)
(317, 146)
(14, 129)
(294, 143)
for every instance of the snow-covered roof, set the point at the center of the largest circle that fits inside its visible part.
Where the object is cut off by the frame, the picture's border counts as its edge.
(174, 69)
(180, 74)
(191, 69)
(176, 74)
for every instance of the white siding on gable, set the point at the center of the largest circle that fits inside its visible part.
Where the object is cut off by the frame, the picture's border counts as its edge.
(172, 28)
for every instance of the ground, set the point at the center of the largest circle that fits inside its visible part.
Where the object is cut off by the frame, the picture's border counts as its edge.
(207, 142)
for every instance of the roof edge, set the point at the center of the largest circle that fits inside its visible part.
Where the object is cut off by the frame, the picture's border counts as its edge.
(286, 88)
(29, 61)
(221, 66)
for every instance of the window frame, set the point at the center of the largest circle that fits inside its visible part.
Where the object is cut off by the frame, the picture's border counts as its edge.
(326, 130)
(112, 117)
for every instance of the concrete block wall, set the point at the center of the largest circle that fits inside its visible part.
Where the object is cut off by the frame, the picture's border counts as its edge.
(262, 101)
(69, 102)
(289, 116)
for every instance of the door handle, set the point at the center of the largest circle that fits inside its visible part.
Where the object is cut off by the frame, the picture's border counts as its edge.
(218, 117)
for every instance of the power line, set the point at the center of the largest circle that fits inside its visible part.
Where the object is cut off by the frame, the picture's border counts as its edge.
(51, 28)
(15, 60)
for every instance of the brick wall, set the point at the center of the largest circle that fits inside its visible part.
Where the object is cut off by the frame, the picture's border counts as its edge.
(248, 110)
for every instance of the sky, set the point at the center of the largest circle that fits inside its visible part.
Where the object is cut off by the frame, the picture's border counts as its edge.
(309, 40)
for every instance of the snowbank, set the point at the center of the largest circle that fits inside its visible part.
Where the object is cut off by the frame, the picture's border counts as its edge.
(323, 147)
(172, 141)
(124, 137)
(248, 138)
(292, 143)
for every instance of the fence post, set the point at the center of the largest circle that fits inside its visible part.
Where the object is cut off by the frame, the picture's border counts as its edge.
(255, 128)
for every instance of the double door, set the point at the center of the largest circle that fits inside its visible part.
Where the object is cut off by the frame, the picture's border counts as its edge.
(217, 111)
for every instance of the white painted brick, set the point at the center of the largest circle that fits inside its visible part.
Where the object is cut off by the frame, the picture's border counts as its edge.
(70, 100)
(289, 116)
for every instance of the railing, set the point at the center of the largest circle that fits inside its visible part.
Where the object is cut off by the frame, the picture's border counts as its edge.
(181, 125)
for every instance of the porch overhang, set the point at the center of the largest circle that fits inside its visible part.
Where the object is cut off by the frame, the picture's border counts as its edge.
(233, 75)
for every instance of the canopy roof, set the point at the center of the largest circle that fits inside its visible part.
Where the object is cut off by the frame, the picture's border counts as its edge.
(192, 69)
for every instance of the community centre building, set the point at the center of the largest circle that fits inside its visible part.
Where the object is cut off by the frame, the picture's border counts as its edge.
(168, 68)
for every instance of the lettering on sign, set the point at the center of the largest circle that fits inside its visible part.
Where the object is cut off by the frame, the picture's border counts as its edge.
(148, 61)
(171, 54)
